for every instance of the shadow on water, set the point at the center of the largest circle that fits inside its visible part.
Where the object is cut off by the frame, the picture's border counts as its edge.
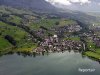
(34, 54)
(46, 53)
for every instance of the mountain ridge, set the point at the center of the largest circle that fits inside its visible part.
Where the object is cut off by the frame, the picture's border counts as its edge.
(43, 7)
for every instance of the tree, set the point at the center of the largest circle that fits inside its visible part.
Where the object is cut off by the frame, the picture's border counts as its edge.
(57, 23)
(10, 39)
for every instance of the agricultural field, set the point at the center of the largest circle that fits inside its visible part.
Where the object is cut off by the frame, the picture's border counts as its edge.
(67, 22)
(73, 38)
(47, 23)
(94, 51)
(23, 42)
(14, 19)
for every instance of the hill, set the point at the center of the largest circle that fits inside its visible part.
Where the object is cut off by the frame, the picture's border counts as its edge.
(21, 31)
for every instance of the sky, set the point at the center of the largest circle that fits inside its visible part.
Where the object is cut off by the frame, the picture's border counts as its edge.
(81, 5)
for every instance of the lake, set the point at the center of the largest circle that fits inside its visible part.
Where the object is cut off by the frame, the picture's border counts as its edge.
(67, 63)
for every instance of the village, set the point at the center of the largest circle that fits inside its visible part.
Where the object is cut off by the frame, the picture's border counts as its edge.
(52, 44)
(57, 43)
(61, 41)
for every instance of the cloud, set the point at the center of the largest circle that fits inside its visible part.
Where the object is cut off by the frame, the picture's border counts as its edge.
(98, 3)
(62, 2)
(68, 2)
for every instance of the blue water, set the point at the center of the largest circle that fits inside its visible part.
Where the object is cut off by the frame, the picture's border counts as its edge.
(53, 64)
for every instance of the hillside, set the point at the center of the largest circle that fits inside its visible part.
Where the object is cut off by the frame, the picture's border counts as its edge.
(22, 31)
(42, 6)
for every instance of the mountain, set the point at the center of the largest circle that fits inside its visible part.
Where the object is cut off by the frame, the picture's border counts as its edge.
(41, 6)
(29, 4)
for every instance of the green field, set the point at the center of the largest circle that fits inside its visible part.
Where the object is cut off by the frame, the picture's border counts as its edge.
(15, 32)
(73, 38)
(5, 46)
(95, 55)
(93, 52)
(91, 45)
(14, 19)
(67, 22)
(47, 23)
(4, 43)
(24, 43)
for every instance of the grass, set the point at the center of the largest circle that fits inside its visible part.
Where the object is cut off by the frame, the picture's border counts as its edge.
(21, 37)
(14, 19)
(67, 22)
(15, 32)
(73, 38)
(27, 48)
(98, 50)
(4, 43)
(93, 54)
(90, 44)
(5, 46)
(48, 23)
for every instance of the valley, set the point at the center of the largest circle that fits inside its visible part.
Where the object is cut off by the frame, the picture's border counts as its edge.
(28, 32)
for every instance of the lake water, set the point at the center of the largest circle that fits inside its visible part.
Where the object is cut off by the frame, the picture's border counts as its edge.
(53, 64)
